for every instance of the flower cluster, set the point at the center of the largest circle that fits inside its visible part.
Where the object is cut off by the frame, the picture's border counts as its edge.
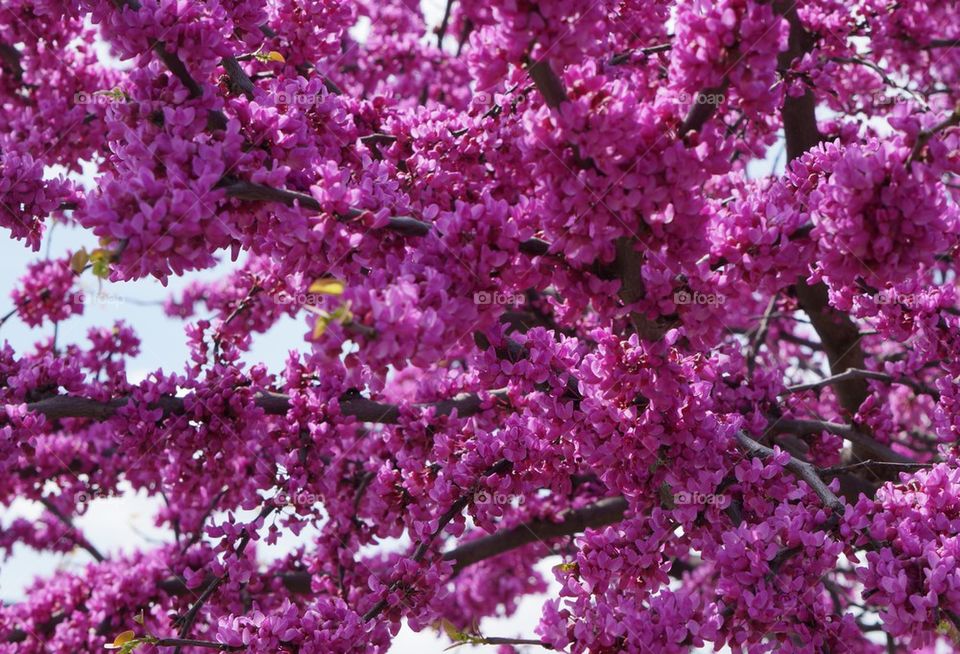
(910, 571)
(564, 307)
(733, 44)
(26, 199)
(875, 221)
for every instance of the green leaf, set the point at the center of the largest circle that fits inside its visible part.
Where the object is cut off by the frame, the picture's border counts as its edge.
(100, 263)
(79, 260)
(320, 326)
(342, 314)
(948, 629)
(267, 57)
(327, 286)
(452, 632)
(122, 639)
(114, 94)
(127, 641)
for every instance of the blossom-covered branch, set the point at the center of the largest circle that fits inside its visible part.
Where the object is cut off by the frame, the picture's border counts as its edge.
(640, 286)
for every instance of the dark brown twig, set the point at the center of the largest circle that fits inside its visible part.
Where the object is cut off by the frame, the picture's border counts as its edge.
(191, 615)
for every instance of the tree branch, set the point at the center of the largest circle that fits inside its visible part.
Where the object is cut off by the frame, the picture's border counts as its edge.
(215, 119)
(239, 77)
(547, 82)
(11, 59)
(599, 514)
(442, 29)
(853, 373)
(78, 537)
(801, 469)
(870, 462)
(623, 57)
(705, 104)
(838, 333)
(799, 112)
(365, 410)
(760, 337)
(864, 442)
(192, 642)
(252, 192)
(604, 512)
(841, 342)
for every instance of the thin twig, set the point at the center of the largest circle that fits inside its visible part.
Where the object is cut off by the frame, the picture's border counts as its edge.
(442, 29)
(500, 467)
(758, 339)
(883, 75)
(242, 306)
(78, 537)
(623, 57)
(192, 642)
(924, 137)
(853, 373)
(191, 615)
(195, 537)
(866, 443)
(870, 462)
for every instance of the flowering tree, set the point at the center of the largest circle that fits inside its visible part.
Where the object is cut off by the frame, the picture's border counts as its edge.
(563, 300)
